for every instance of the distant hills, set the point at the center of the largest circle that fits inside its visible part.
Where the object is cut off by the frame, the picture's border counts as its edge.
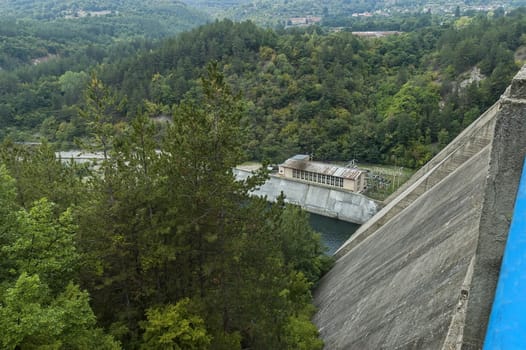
(50, 9)
(264, 12)
(275, 12)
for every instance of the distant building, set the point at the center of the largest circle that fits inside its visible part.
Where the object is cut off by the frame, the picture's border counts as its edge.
(300, 167)
(375, 34)
(28, 143)
(298, 21)
(303, 21)
(80, 156)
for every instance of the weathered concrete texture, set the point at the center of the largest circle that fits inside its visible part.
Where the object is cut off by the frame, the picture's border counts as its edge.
(322, 200)
(507, 157)
(423, 275)
(398, 289)
(469, 142)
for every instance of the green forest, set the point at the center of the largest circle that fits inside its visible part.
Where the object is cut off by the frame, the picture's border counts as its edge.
(395, 100)
(171, 249)
(156, 246)
(348, 13)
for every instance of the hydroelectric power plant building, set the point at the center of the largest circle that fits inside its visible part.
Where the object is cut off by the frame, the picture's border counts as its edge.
(300, 167)
(318, 188)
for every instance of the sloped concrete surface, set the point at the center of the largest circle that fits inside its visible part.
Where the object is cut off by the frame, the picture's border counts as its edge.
(424, 276)
(474, 138)
(398, 289)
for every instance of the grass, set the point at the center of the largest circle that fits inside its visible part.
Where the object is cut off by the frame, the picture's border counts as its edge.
(388, 179)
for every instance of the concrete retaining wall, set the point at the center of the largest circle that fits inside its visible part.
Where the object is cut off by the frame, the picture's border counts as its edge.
(322, 200)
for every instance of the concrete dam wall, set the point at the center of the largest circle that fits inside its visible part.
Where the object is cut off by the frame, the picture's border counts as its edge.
(322, 200)
(422, 273)
(471, 141)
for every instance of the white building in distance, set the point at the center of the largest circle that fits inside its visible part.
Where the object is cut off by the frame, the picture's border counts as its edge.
(300, 167)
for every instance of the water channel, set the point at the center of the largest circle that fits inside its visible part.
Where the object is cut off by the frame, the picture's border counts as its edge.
(333, 232)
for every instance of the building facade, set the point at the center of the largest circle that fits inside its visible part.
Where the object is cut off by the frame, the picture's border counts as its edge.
(300, 167)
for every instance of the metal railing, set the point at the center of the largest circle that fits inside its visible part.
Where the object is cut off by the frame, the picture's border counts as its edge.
(507, 323)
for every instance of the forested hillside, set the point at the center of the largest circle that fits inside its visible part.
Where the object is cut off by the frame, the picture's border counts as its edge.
(337, 96)
(39, 30)
(395, 99)
(49, 48)
(344, 12)
(51, 9)
(171, 249)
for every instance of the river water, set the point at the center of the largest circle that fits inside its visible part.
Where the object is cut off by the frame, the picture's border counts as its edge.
(333, 232)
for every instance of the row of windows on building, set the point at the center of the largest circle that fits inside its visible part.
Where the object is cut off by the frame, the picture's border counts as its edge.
(319, 178)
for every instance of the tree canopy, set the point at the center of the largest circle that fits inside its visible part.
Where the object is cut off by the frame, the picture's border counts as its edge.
(172, 250)
(395, 99)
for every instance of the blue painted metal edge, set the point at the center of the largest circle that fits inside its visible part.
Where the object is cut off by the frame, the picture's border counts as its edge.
(507, 323)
